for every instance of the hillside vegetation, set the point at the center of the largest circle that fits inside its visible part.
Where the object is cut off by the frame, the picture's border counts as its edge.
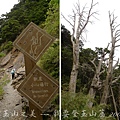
(41, 12)
(45, 14)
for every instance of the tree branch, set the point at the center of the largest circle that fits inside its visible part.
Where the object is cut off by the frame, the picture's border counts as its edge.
(114, 81)
(94, 63)
(67, 20)
(116, 26)
(116, 64)
(117, 46)
(101, 72)
(89, 15)
(115, 106)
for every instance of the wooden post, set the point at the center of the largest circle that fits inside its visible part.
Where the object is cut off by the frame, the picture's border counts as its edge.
(37, 112)
(29, 64)
(33, 42)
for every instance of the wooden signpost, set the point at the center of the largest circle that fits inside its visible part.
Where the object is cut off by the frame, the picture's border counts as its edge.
(38, 87)
(33, 42)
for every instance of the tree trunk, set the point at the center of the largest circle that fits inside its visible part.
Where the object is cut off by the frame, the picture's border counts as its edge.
(96, 83)
(115, 106)
(109, 75)
(74, 71)
(105, 93)
(73, 79)
(81, 24)
(108, 78)
(110, 66)
(92, 93)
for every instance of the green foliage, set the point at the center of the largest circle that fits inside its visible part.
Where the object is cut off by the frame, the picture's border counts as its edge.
(86, 73)
(3, 81)
(86, 70)
(30, 10)
(20, 16)
(75, 107)
(66, 56)
(86, 55)
(44, 13)
(1, 91)
(6, 47)
(50, 60)
(55, 103)
(50, 63)
(2, 54)
(10, 29)
(52, 20)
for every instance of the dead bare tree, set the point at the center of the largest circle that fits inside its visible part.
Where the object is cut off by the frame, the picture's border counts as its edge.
(96, 81)
(110, 80)
(80, 18)
(114, 103)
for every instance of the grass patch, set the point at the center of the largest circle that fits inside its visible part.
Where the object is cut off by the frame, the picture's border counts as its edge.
(3, 81)
(1, 91)
(2, 54)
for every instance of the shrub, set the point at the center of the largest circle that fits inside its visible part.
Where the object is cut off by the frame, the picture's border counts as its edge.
(2, 54)
(6, 47)
(50, 60)
(74, 107)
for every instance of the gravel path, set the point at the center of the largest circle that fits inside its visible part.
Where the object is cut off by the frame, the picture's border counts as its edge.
(10, 105)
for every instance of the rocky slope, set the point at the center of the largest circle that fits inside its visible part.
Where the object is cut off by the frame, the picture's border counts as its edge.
(12, 103)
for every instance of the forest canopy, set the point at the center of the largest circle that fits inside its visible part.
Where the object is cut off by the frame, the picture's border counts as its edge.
(38, 11)
(90, 78)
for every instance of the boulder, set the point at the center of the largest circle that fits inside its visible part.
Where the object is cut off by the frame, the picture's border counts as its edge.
(6, 59)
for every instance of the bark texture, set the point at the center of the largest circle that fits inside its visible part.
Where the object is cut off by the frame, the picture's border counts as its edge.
(115, 33)
(82, 22)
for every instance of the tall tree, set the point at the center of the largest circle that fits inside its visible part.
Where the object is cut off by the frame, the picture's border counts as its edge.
(99, 69)
(80, 19)
(110, 79)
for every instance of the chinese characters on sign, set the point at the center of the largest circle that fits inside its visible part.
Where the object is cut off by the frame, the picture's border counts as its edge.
(65, 114)
(15, 114)
(87, 114)
(33, 42)
(39, 87)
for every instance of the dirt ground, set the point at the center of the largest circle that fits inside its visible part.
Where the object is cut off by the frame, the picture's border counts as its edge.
(10, 105)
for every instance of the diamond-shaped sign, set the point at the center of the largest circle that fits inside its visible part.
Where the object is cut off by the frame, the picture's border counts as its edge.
(39, 88)
(33, 41)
